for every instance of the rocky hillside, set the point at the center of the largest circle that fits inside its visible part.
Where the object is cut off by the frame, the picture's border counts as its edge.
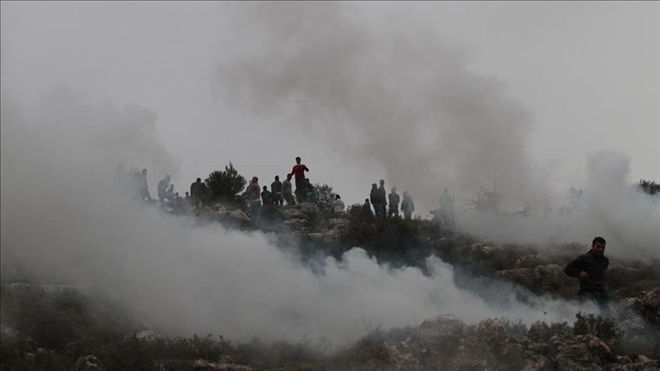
(62, 328)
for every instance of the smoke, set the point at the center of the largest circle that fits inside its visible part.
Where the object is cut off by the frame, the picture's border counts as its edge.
(394, 96)
(67, 224)
(609, 205)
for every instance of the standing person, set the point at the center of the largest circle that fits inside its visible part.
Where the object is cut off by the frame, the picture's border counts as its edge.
(447, 207)
(338, 205)
(198, 192)
(254, 197)
(407, 206)
(382, 197)
(298, 172)
(287, 191)
(394, 204)
(309, 191)
(162, 188)
(169, 195)
(266, 197)
(366, 207)
(590, 269)
(143, 186)
(374, 196)
(276, 190)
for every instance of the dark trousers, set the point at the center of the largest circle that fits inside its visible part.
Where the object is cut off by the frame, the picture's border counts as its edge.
(300, 190)
(600, 298)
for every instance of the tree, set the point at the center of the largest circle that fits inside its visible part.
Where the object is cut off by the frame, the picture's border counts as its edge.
(225, 185)
(649, 186)
(324, 196)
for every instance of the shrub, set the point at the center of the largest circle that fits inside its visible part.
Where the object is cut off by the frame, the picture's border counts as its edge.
(648, 186)
(325, 198)
(605, 328)
(225, 185)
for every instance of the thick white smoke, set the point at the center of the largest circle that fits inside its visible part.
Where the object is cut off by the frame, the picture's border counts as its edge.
(394, 96)
(64, 222)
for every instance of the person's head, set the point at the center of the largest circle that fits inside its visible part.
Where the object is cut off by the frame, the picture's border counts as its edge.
(406, 194)
(366, 200)
(382, 182)
(277, 178)
(446, 190)
(298, 160)
(255, 180)
(171, 186)
(199, 180)
(337, 197)
(144, 171)
(176, 194)
(307, 180)
(374, 185)
(598, 245)
(265, 188)
(288, 177)
(187, 194)
(393, 189)
(167, 177)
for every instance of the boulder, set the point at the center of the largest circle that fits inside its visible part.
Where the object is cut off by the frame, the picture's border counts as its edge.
(296, 224)
(402, 355)
(89, 363)
(441, 327)
(531, 261)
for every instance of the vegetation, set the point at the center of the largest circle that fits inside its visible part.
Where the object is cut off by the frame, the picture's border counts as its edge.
(648, 186)
(226, 185)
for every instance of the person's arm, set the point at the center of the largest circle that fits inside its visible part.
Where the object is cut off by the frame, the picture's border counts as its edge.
(305, 168)
(293, 170)
(574, 268)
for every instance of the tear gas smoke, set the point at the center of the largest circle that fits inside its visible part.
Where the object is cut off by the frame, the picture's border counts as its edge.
(397, 96)
(64, 222)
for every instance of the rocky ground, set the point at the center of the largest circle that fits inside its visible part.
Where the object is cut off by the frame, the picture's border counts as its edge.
(58, 327)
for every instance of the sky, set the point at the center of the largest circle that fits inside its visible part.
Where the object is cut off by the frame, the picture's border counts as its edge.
(587, 73)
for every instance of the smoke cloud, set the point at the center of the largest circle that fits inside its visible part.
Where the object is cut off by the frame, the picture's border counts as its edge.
(394, 96)
(65, 223)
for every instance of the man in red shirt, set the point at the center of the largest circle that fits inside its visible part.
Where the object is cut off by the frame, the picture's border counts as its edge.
(298, 172)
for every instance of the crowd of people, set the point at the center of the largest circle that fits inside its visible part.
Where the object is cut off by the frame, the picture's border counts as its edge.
(379, 204)
(589, 268)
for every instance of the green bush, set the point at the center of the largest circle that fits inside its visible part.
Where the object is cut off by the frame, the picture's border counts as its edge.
(226, 185)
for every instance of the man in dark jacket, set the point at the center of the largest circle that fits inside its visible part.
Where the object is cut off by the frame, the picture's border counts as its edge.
(276, 190)
(590, 269)
(199, 193)
(266, 197)
(394, 204)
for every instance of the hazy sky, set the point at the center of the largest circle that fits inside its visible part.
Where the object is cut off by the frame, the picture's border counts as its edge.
(589, 73)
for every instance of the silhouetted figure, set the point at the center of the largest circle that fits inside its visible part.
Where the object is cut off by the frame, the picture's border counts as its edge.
(382, 200)
(374, 197)
(266, 197)
(276, 190)
(446, 207)
(287, 191)
(198, 193)
(407, 206)
(298, 172)
(253, 193)
(590, 269)
(309, 191)
(162, 188)
(394, 204)
(170, 196)
(143, 186)
(366, 207)
(338, 205)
